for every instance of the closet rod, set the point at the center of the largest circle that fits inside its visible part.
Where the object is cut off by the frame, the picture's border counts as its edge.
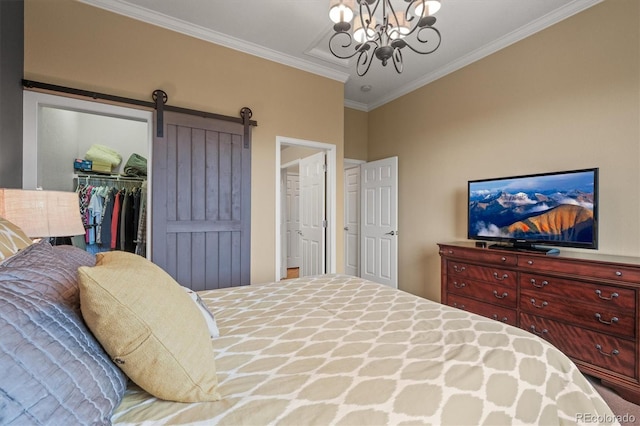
(30, 84)
(110, 177)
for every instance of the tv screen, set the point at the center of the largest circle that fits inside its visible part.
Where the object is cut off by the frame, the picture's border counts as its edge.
(554, 209)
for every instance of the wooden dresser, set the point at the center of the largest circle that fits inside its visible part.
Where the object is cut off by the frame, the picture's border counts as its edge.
(585, 304)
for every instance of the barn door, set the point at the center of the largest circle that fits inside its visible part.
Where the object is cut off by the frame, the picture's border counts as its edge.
(201, 202)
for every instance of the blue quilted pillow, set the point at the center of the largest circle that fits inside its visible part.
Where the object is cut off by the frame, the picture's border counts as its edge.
(49, 270)
(52, 369)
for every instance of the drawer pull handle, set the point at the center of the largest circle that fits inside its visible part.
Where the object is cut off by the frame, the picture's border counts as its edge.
(461, 285)
(618, 274)
(613, 320)
(455, 305)
(535, 283)
(500, 296)
(613, 295)
(533, 302)
(504, 259)
(459, 269)
(503, 277)
(504, 319)
(529, 262)
(539, 333)
(450, 251)
(613, 352)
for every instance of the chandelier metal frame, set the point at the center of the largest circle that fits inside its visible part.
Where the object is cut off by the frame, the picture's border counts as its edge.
(398, 30)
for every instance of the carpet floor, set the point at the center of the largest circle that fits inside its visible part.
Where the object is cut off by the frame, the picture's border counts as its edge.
(627, 413)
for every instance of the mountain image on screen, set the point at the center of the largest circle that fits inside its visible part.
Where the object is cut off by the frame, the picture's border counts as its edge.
(550, 215)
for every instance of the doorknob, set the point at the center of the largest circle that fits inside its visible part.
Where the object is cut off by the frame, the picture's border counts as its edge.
(346, 228)
(391, 233)
(299, 232)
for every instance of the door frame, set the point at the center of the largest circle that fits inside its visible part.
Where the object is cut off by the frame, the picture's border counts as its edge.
(330, 150)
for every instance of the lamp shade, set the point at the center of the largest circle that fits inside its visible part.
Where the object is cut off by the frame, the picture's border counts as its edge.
(341, 10)
(42, 214)
(432, 7)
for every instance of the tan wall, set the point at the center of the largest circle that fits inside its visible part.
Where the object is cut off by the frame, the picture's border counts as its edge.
(356, 135)
(565, 98)
(73, 44)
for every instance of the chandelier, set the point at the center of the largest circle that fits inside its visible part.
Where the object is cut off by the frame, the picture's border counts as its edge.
(412, 28)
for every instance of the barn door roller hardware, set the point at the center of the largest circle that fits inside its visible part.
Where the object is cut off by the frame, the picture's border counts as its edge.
(159, 103)
(160, 99)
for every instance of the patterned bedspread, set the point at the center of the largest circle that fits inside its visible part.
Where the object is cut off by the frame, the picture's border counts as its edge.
(342, 350)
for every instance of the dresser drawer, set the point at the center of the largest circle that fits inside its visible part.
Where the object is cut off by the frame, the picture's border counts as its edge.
(606, 319)
(487, 292)
(607, 296)
(590, 270)
(497, 313)
(460, 270)
(484, 255)
(612, 353)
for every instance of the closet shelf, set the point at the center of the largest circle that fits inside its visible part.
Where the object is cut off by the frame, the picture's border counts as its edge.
(109, 177)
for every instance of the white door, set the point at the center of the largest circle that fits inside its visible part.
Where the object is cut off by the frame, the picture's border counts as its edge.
(312, 214)
(352, 221)
(379, 221)
(283, 223)
(293, 220)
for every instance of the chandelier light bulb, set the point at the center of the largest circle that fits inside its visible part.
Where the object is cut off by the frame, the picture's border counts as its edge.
(398, 26)
(360, 34)
(341, 10)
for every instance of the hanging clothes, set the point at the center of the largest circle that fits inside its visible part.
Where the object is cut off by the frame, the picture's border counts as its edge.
(112, 214)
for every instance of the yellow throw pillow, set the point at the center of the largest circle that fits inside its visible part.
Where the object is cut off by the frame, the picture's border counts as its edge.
(149, 326)
(12, 239)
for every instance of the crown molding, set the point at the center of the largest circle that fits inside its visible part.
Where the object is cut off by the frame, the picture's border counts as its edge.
(135, 12)
(356, 105)
(560, 14)
(154, 18)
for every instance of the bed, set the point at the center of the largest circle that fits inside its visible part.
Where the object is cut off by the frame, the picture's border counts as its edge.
(342, 350)
(323, 350)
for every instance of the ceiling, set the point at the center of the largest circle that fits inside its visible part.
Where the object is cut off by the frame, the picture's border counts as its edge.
(297, 32)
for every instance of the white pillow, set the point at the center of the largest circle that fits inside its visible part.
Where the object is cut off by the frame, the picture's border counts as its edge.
(208, 316)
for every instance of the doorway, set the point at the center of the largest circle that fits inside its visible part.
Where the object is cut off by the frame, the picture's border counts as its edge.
(329, 200)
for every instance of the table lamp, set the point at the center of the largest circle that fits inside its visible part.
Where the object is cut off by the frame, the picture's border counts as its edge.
(42, 214)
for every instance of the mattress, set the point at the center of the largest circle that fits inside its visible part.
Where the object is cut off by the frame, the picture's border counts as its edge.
(342, 350)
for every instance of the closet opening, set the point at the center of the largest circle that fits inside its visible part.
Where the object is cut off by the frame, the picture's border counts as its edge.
(58, 130)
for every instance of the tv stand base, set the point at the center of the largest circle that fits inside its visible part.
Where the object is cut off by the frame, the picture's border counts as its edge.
(526, 249)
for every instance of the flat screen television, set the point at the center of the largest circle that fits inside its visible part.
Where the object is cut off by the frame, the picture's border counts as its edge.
(529, 212)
